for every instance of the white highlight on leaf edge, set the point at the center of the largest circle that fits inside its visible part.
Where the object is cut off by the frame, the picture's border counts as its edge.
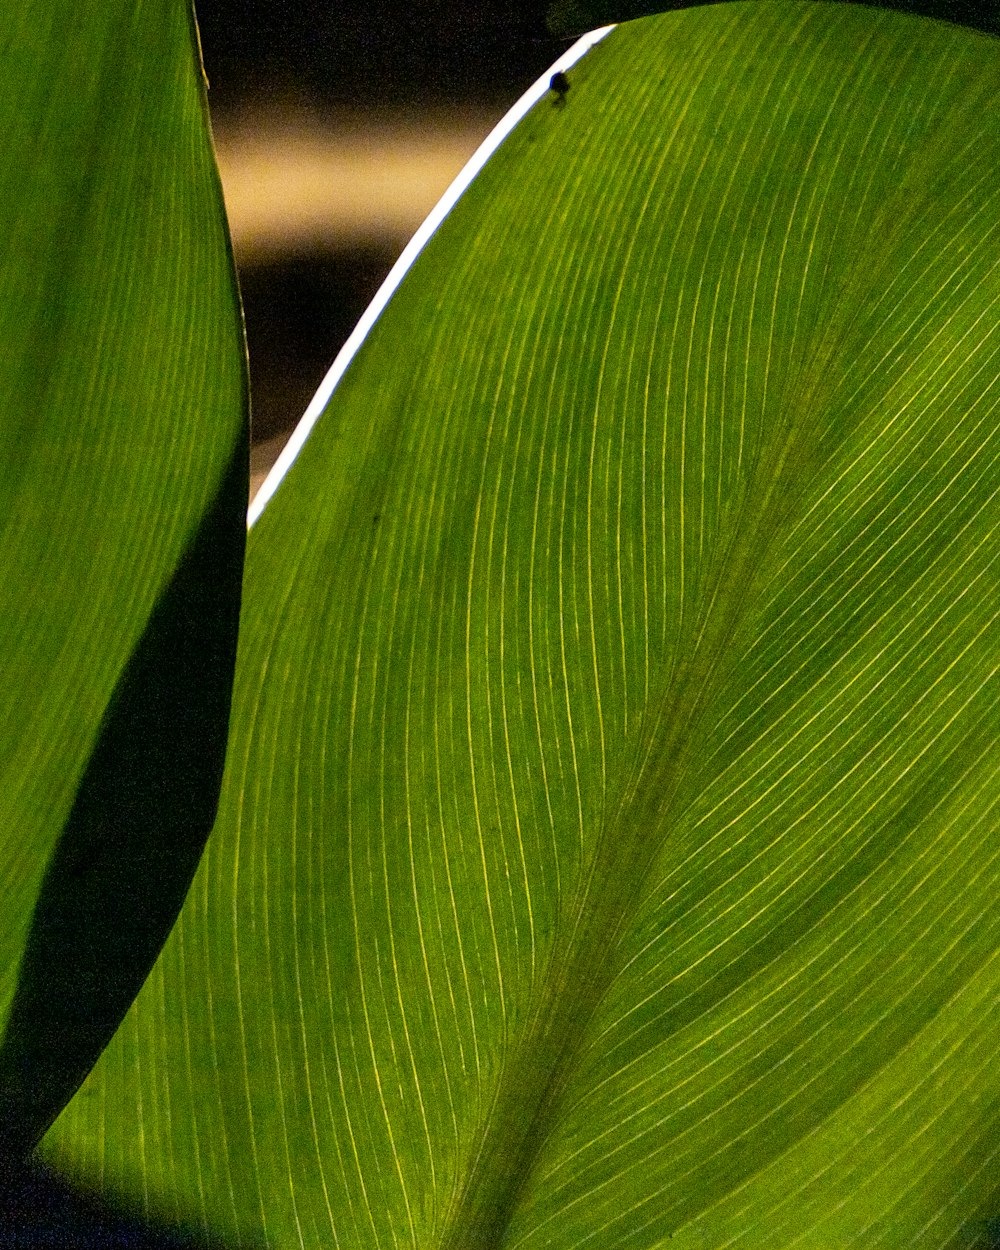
(503, 128)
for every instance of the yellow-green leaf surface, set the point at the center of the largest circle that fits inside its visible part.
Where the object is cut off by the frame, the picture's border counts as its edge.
(609, 846)
(122, 418)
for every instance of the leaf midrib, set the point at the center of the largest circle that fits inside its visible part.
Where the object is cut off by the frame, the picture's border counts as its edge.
(654, 791)
(651, 798)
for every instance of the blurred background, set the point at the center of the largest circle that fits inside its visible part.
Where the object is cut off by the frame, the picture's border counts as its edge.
(338, 125)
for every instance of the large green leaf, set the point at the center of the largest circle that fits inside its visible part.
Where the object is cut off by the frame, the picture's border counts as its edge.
(122, 488)
(608, 849)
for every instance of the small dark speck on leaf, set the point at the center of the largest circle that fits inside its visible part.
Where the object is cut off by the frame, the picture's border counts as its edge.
(559, 86)
(376, 518)
(990, 1228)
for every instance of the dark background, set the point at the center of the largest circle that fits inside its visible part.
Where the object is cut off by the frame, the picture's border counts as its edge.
(388, 52)
(352, 60)
(381, 54)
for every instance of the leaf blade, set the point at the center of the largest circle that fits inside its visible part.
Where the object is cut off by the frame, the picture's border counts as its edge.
(118, 285)
(604, 707)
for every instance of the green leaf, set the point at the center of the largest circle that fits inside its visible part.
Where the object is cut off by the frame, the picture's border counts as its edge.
(122, 493)
(608, 848)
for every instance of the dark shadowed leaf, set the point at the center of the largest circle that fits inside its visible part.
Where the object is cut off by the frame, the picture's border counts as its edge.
(122, 488)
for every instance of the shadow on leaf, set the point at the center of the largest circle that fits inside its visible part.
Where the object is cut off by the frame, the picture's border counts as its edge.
(41, 1211)
(131, 845)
